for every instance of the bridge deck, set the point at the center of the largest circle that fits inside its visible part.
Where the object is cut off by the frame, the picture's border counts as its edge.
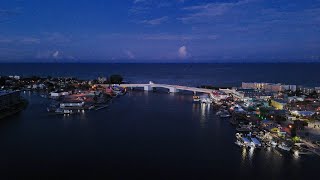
(177, 87)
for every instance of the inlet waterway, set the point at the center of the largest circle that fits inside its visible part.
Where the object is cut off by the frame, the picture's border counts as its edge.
(146, 134)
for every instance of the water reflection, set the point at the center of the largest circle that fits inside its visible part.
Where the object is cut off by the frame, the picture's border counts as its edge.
(203, 116)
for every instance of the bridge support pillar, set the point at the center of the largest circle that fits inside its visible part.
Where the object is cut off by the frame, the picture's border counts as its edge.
(173, 90)
(147, 88)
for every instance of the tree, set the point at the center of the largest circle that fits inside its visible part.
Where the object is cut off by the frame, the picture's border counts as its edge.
(293, 131)
(2, 81)
(116, 79)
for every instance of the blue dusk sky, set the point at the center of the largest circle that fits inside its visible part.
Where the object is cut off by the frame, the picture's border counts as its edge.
(159, 30)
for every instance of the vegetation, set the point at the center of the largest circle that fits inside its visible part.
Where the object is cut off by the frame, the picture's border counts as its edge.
(115, 79)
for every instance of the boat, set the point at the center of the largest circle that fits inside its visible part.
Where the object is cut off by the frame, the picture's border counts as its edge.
(301, 149)
(63, 111)
(239, 143)
(284, 146)
(238, 135)
(255, 142)
(219, 113)
(206, 100)
(273, 143)
(246, 142)
(224, 115)
(196, 98)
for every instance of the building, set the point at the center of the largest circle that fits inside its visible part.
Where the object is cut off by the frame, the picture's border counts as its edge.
(269, 86)
(278, 104)
(255, 94)
(9, 98)
(307, 90)
(58, 94)
(72, 104)
(102, 80)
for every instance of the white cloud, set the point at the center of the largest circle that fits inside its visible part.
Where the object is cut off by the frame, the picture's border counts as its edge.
(56, 54)
(183, 52)
(129, 54)
(138, 1)
(156, 21)
(207, 11)
(30, 40)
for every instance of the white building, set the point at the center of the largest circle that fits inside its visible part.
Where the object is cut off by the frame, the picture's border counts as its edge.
(71, 104)
(269, 86)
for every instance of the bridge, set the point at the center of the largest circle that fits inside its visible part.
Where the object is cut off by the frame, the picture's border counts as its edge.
(171, 88)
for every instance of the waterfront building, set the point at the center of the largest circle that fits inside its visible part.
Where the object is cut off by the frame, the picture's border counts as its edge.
(308, 90)
(255, 94)
(72, 104)
(269, 86)
(58, 94)
(278, 104)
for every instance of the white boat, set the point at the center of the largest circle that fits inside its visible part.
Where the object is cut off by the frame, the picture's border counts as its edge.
(246, 142)
(273, 143)
(206, 100)
(255, 142)
(63, 111)
(225, 115)
(239, 143)
(284, 146)
(219, 113)
(301, 149)
(196, 98)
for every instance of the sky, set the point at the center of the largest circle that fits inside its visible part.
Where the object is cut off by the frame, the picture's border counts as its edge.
(160, 31)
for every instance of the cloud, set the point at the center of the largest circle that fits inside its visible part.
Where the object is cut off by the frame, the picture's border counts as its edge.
(138, 1)
(160, 37)
(183, 52)
(55, 54)
(129, 54)
(30, 40)
(56, 37)
(200, 13)
(156, 21)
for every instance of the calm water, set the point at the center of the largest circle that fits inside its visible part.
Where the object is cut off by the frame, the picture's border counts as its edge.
(151, 135)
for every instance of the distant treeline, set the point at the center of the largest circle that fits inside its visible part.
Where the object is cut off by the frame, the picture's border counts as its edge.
(215, 87)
